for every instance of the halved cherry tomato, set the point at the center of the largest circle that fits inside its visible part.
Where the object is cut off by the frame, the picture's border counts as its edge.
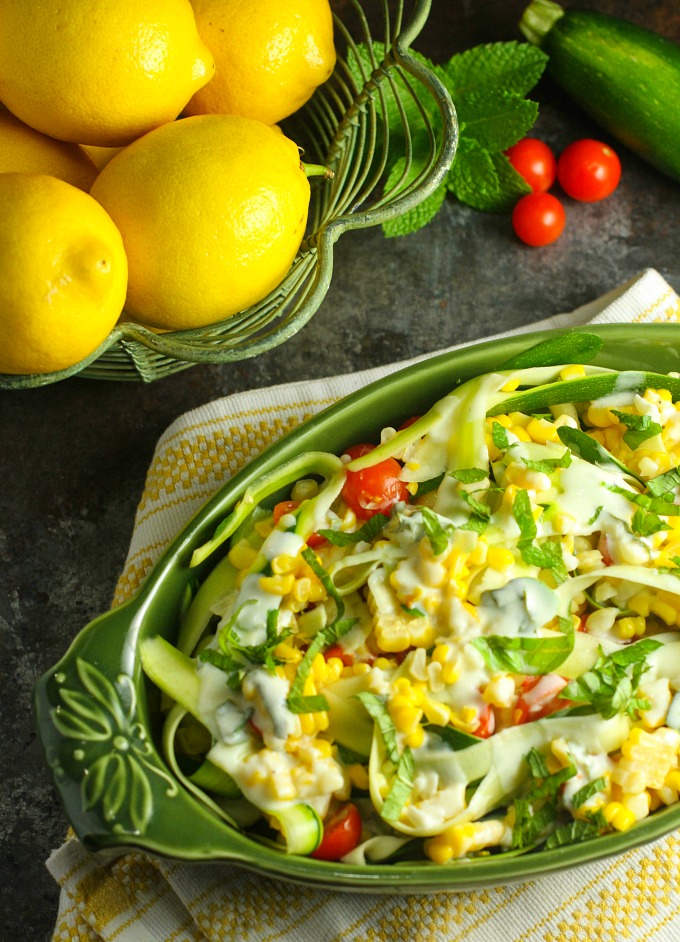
(341, 833)
(487, 722)
(588, 170)
(376, 489)
(534, 162)
(539, 698)
(407, 422)
(336, 651)
(538, 219)
(287, 507)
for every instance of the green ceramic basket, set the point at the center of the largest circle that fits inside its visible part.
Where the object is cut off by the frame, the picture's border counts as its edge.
(98, 718)
(344, 128)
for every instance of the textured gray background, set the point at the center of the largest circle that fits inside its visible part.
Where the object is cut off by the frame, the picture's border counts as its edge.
(73, 456)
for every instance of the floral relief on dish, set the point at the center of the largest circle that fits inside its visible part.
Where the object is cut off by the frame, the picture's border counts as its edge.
(111, 754)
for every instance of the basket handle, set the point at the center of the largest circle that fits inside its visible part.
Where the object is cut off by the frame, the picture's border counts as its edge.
(415, 194)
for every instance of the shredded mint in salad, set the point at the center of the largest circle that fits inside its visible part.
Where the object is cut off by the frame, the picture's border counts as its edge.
(464, 640)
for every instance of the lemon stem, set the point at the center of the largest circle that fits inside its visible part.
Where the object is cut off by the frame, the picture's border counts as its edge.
(317, 170)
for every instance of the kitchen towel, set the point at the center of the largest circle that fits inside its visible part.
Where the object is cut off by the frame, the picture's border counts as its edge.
(137, 898)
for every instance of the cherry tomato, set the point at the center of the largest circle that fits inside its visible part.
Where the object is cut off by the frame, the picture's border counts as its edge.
(588, 170)
(341, 833)
(534, 162)
(287, 507)
(376, 489)
(336, 651)
(540, 696)
(538, 218)
(487, 722)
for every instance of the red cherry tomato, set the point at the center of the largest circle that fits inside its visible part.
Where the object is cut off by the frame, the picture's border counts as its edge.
(373, 490)
(341, 833)
(538, 218)
(336, 651)
(487, 722)
(540, 697)
(588, 170)
(534, 162)
(287, 507)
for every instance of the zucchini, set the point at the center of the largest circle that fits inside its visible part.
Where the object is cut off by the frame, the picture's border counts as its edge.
(624, 76)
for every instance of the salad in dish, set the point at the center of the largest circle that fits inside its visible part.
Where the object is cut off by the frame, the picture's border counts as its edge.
(459, 640)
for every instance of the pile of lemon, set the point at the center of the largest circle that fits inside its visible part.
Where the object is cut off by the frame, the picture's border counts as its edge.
(141, 166)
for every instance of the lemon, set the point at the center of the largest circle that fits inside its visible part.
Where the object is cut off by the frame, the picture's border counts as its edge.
(212, 210)
(25, 149)
(63, 274)
(98, 72)
(269, 56)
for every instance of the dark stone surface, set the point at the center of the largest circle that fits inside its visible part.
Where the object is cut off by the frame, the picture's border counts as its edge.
(74, 455)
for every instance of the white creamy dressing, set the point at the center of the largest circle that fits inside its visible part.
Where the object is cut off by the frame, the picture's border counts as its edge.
(520, 607)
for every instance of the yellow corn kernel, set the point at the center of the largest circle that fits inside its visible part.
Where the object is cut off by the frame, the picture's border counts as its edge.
(600, 417)
(478, 556)
(499, 558)
(405, 715)
(573, 371)
(324, 748)
(436, 712)
(415, 738)
(620, 818)
(312, 723)
(283, 564)
(319, 670)
(520, 432)
(663, 610)
(392, 633)
(277, 585)
(640, 603)
(288, 652)
(519, 418)
(422, 633)
(412, 487)
(542, 431)
(656, 395)
(511, 385)
(385, 663)
(503, 420)
(438, 851)
(263, 528)
(630, 626)
(445, 656)
(649, 755)
(500, 691)
(638, 804)
(242, 555)
(358, 776)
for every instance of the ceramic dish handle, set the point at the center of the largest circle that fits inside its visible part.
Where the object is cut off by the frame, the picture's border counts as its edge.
(93, 718)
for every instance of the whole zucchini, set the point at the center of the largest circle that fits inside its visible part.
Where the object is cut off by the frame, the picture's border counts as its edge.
(626, 77)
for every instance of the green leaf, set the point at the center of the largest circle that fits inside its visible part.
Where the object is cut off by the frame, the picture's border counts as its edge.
(470, 475)
(297, 702)
(418, 216)
(314, 564)
(496, 119)
(437, 534)
(573, 832)
(425, 487)
(610, 686)
(514, 66)
(525, 655)
(548, 465)
(666, 484)
(499, 436)
(402, 762)
(590, 450)
(645, 523)
(484, 181)
(640, 428)
(366, 533)
(587, 791)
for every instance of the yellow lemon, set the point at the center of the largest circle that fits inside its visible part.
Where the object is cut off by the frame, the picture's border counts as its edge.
(212, 210)
(269, 56)
(100, 156)
(99, 72)
(24, 149)
(63, 274)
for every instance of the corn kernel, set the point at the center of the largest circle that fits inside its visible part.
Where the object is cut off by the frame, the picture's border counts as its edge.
(620, 818)
(358, 776)
(263, 528)
(288, 652)
(437, 712)
(324, 748)
(672, 780)
(637, 804)
(283, 564)
(667, 613)
(511, 385)
(541, 430)
(415, 738)
(242, 555)
(600, 417)
(640, 603)
(574, 371)
(630, 627)
(277, 585)
(499, 558)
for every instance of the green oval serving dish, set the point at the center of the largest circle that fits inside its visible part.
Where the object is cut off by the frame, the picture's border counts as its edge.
(98, 717)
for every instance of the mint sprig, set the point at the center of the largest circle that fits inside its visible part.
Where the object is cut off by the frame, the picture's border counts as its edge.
(488, 84)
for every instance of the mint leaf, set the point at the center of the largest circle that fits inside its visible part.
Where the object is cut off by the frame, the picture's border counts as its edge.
(496, 120)
(437, 534)
(640, 428)
(587, 791)
(499, 436)
(548, 465)
(403, 766)
(418, 216)
(610, 686)
(297, 702)
(572, 833)
(514, 66)
(424, 487)
(524, 655)
(666, 484)
(645, 523)
(485, 181)
(366, 533)
(470, 475)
